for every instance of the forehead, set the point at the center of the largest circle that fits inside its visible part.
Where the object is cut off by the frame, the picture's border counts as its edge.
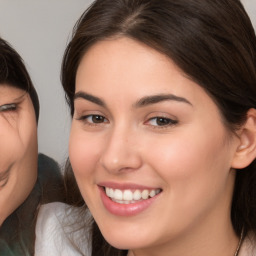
(123, 63)
(10, 90)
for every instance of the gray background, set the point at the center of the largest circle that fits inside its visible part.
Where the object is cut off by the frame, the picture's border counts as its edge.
(39, 30)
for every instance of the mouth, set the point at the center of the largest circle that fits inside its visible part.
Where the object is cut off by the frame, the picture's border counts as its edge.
(128, 200)
(130, 196)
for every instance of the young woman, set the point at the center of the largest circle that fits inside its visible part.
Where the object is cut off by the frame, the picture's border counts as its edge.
(26, 180)
(163, 137)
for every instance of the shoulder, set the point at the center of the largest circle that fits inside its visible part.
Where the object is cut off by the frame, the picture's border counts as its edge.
(50, 179)
(47, 167)
(50, 213)
(248, 247)
(52, 232)
(49, 234)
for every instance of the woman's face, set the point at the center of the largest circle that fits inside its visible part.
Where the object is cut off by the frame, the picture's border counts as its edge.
(18, 148)
(148, 147)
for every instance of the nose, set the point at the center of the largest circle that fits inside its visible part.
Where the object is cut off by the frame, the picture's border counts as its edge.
(121, 153)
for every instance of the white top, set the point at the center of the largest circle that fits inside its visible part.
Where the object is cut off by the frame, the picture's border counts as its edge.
(248, 247)
(53, 223)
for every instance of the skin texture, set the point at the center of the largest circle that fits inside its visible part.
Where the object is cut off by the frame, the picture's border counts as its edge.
(189, 159)
(18, 147)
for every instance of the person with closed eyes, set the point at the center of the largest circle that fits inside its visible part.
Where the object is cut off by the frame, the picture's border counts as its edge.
(27, 179)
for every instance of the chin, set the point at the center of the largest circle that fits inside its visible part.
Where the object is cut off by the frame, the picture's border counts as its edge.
(126, 240)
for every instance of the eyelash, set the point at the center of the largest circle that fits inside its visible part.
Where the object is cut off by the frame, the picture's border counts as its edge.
(8, 107)
(167, 122)
(85, 119)
(4, 179)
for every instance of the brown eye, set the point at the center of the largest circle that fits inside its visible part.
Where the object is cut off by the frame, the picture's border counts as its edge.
(97, 119)
(162, 121)
(93, 119)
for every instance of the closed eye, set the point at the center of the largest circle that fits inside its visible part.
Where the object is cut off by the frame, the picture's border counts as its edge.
(8, 107)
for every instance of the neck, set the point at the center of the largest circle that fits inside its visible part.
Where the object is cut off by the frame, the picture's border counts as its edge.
(215, 240)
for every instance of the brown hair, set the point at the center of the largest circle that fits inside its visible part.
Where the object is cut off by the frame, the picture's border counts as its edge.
(14, 73)
(212, 41)
(17, 233)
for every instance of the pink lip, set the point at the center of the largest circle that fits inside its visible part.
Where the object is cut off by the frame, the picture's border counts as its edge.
(125, 209)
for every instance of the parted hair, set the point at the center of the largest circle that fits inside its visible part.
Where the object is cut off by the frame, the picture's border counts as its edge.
(212, 41)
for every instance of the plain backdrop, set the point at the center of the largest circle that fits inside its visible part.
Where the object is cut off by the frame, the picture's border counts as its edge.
(40, 30)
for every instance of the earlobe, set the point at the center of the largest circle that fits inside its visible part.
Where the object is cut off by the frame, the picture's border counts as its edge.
(246, 150)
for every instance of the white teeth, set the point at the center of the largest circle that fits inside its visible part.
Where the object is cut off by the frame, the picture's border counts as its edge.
(145, 194)
(136, 195)
(127, 196)
(152, 193)
(118, 194)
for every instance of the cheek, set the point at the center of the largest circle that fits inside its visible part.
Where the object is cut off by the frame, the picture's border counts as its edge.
(18, 148)
(10, 144)
(18, 135)
(190, 163)
(84, 152)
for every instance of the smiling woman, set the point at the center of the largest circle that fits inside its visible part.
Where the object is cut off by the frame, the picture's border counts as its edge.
(163, 138)
(26, 179)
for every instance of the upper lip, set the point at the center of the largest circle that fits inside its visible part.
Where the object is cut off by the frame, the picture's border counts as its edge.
(123, 186)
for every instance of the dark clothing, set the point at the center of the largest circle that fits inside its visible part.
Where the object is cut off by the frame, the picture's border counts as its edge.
(17, 234)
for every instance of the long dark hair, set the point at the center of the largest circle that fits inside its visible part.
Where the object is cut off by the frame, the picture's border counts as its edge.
(17, 233)
(212, 41)
(14, 73)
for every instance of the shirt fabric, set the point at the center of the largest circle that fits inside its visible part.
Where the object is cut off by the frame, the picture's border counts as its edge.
(52, 234)
(17, 233)
(57, 230)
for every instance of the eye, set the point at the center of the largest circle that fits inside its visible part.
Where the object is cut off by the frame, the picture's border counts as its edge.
(4, 178)
(161, 121)
(93, 119)
(8, 107)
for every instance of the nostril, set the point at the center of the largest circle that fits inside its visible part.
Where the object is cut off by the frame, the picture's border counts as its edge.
(120, 162)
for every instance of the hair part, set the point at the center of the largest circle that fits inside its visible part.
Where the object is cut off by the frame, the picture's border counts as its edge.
(212, 42)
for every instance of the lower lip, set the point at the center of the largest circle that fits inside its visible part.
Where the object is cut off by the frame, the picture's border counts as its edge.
(125, 209)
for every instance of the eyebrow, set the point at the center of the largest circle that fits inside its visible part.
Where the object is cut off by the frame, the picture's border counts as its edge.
(148, 100)
(89, 97)
(145, 101)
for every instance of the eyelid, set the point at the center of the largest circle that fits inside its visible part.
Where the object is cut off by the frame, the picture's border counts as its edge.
(168, 120)
(85, 119)
(4, 182)
(172, 121)
(6, 107)
(82, 117)
(4, 177)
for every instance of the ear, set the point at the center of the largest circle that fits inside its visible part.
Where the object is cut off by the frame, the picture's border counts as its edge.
(246, 150)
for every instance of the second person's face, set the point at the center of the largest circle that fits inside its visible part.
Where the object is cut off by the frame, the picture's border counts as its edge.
(18, 148)
(148, 147)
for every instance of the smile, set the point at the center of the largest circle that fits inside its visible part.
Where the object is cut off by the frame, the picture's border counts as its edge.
(130, 196)
(121, 200)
